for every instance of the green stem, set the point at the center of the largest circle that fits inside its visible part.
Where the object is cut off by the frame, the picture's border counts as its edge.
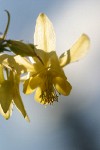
(7, 26)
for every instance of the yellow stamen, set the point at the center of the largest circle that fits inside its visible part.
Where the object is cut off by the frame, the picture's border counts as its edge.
(49, 93)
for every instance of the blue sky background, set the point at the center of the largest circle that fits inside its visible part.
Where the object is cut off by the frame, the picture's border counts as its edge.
(74, 122)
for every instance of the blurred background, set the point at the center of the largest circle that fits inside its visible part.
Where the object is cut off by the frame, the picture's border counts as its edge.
(74, 122)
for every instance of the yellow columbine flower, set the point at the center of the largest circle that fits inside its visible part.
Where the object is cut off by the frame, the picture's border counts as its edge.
(46, 74)
(9, 89)
(48, 78)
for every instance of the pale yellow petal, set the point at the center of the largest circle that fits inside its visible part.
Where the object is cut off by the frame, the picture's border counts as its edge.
(44, 36)
(1, 74)
(53, 63)
(35, 82)
(38, 94)
(21, 63)
(41, 58)
(26, 66)
(18, 63)
(19, 104)
(31, 84)
(52, 59)
(26, 87)
(6, 95)
(76, 52)
(17, 99)
(8, 113)
(62, 86)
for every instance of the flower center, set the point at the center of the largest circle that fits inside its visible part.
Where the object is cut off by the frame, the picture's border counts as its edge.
(49, 93)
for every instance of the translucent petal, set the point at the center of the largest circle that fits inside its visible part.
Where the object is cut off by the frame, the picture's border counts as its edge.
(35, 82)
(26, 87)
(50, 61)
(6, 95)
(1, 75)
(20, 64)
(17, 99)
(62, 86)
(76, 52)
(19, 104)
(37, 95)
(8, 113)
(42, 55)
(23, 64)
(44, 36)
(31, 84)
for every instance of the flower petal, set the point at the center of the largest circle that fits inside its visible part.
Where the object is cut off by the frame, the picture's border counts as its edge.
(62, 86)
(8, 113)
(1, 74)
(35, 82)
(31, 83)
(44, 36)
(17, 98)
(76, 52)
(26, 87)
(5, 95)
(17, 63)
(23, 64)
(38, 94)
